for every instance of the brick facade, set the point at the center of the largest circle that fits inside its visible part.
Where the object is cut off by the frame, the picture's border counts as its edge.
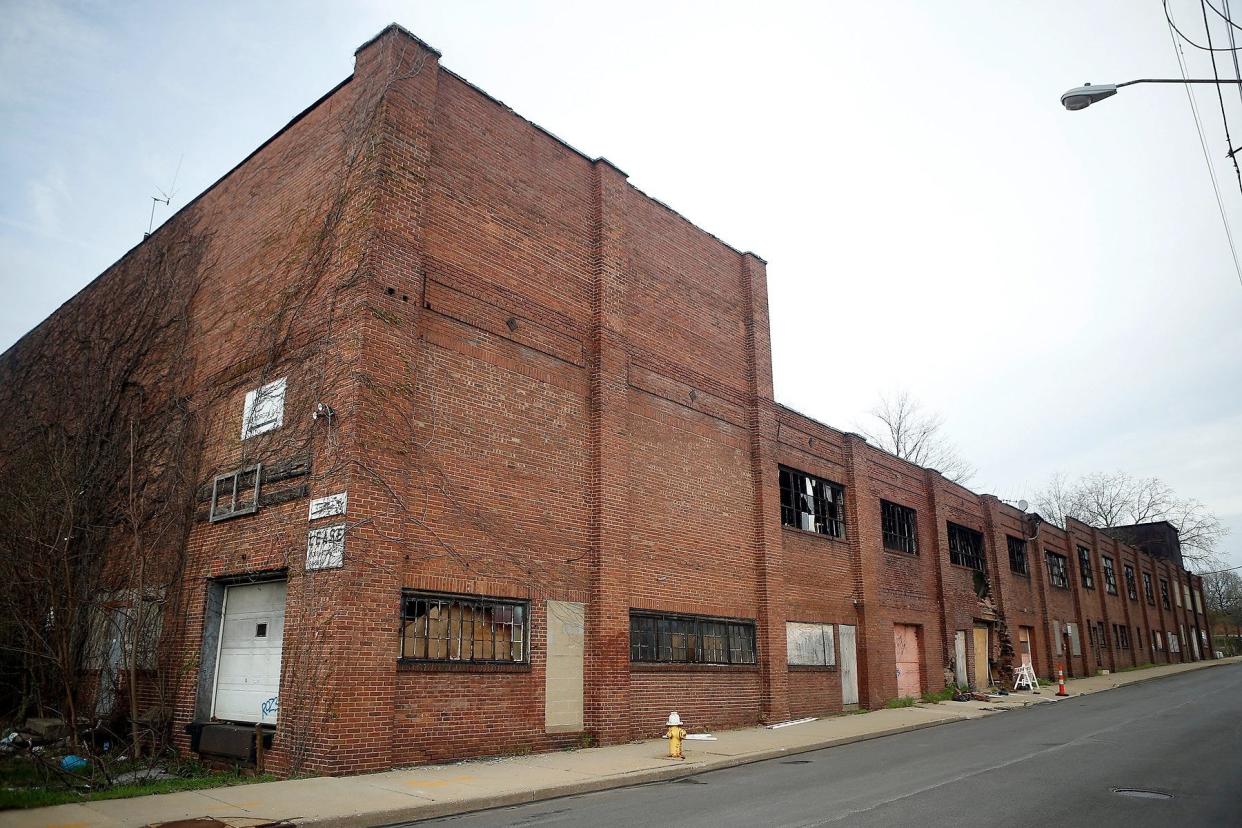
(546, 385)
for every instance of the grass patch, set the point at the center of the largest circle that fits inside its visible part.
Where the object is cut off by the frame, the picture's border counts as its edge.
(939, 695)
(1132, 669)
(901, 701)
(22, 786)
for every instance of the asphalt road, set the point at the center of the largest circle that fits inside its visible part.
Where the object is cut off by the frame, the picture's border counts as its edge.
(1048, 765)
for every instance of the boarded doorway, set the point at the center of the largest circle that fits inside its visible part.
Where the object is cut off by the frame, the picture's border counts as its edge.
(906, 648)
(983, 673)
(563, 682)
(1025, 637)
(959, 658)
(849, 666)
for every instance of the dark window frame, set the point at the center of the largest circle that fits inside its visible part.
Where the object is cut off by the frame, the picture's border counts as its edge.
(899, 527)
(962, 551)
(1127, 572)
(826, 502)
(514, 614)
(1110, 574)
(1085, 571)
(1058, 569)
(1018, 561)
(1148, 591)
(1164, 594)
(736, 639)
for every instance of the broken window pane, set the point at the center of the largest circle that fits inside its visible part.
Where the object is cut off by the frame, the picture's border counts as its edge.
(966, 547)
(811, 503)
(898, 528)
(1058, 570)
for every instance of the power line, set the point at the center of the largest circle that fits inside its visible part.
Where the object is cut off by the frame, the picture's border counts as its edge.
(1207, 158)
(1220, 95)
(1169, 17)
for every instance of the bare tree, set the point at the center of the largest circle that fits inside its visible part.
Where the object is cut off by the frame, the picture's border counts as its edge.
(1222, 594)
(1107, 499)
(901, 426)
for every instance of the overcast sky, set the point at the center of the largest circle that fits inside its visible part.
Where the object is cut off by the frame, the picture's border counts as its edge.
(1058, 284)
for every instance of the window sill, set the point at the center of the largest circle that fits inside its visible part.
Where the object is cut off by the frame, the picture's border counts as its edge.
(811, 668)
(811, 534)
(900, 554)
(965, 568)
(411, 666)
(688, 667)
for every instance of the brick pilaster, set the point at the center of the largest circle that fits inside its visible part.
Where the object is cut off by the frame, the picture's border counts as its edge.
(766, 540)
(607, 665)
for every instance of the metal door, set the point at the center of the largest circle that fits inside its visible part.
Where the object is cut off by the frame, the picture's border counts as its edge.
(983, 675)
(959, 658)
(906, 648)
(252, 626)
(849, 666)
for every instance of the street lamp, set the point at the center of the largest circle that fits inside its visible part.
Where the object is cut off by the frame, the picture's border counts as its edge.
(1083, 96)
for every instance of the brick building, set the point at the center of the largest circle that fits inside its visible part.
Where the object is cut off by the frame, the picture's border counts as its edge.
(491, 462)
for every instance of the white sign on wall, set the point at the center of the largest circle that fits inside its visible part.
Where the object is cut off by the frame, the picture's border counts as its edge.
(322, 507)
(325, 547)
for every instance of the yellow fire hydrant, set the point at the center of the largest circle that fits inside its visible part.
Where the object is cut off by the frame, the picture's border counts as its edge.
(675, 734)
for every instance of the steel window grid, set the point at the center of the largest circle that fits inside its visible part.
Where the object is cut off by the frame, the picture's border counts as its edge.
(899, 525)
(1131, 583)
(806, 494)
(688, 639)
(507, 624)
(1110, 574)
(1084, 566)
(966, 547)
(1058, 570)
(1017, 555)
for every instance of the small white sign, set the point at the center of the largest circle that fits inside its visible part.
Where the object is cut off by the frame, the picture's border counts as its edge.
(325, 547)
(322, 507)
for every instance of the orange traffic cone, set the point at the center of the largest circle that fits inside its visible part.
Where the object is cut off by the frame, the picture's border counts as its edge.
(1061, 682)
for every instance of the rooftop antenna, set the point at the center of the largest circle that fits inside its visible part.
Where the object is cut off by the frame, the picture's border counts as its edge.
(163, 198)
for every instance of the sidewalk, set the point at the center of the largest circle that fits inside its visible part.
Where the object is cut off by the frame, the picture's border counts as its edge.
(440, 790)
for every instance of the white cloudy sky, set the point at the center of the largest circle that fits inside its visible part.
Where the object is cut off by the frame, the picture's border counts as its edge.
(1057, 284)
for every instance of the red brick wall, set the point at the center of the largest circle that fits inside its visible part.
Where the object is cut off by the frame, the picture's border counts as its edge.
(547, 386)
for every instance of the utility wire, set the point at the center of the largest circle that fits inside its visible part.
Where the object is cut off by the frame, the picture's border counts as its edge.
(1209, 48)
(1219, 571)
(1207, 158)
(1220, 96)
(1225, 16)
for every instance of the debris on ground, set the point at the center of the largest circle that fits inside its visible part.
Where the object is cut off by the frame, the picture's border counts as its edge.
(143, 775)
(791, 722)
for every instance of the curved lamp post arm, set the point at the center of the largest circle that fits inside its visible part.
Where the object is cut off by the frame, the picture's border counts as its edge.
(1083, 96)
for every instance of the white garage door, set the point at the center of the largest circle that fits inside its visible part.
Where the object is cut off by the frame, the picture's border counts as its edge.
(248, 666)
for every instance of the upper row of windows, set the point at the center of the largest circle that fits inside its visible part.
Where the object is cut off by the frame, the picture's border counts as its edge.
(818, 505)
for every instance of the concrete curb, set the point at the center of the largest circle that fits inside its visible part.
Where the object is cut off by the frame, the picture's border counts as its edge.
(420, 813)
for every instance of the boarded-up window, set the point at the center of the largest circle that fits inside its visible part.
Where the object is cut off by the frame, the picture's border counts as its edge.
(1075, 644)
(450, 628)
(810, 644)
(264, 409)
(1058, 647)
